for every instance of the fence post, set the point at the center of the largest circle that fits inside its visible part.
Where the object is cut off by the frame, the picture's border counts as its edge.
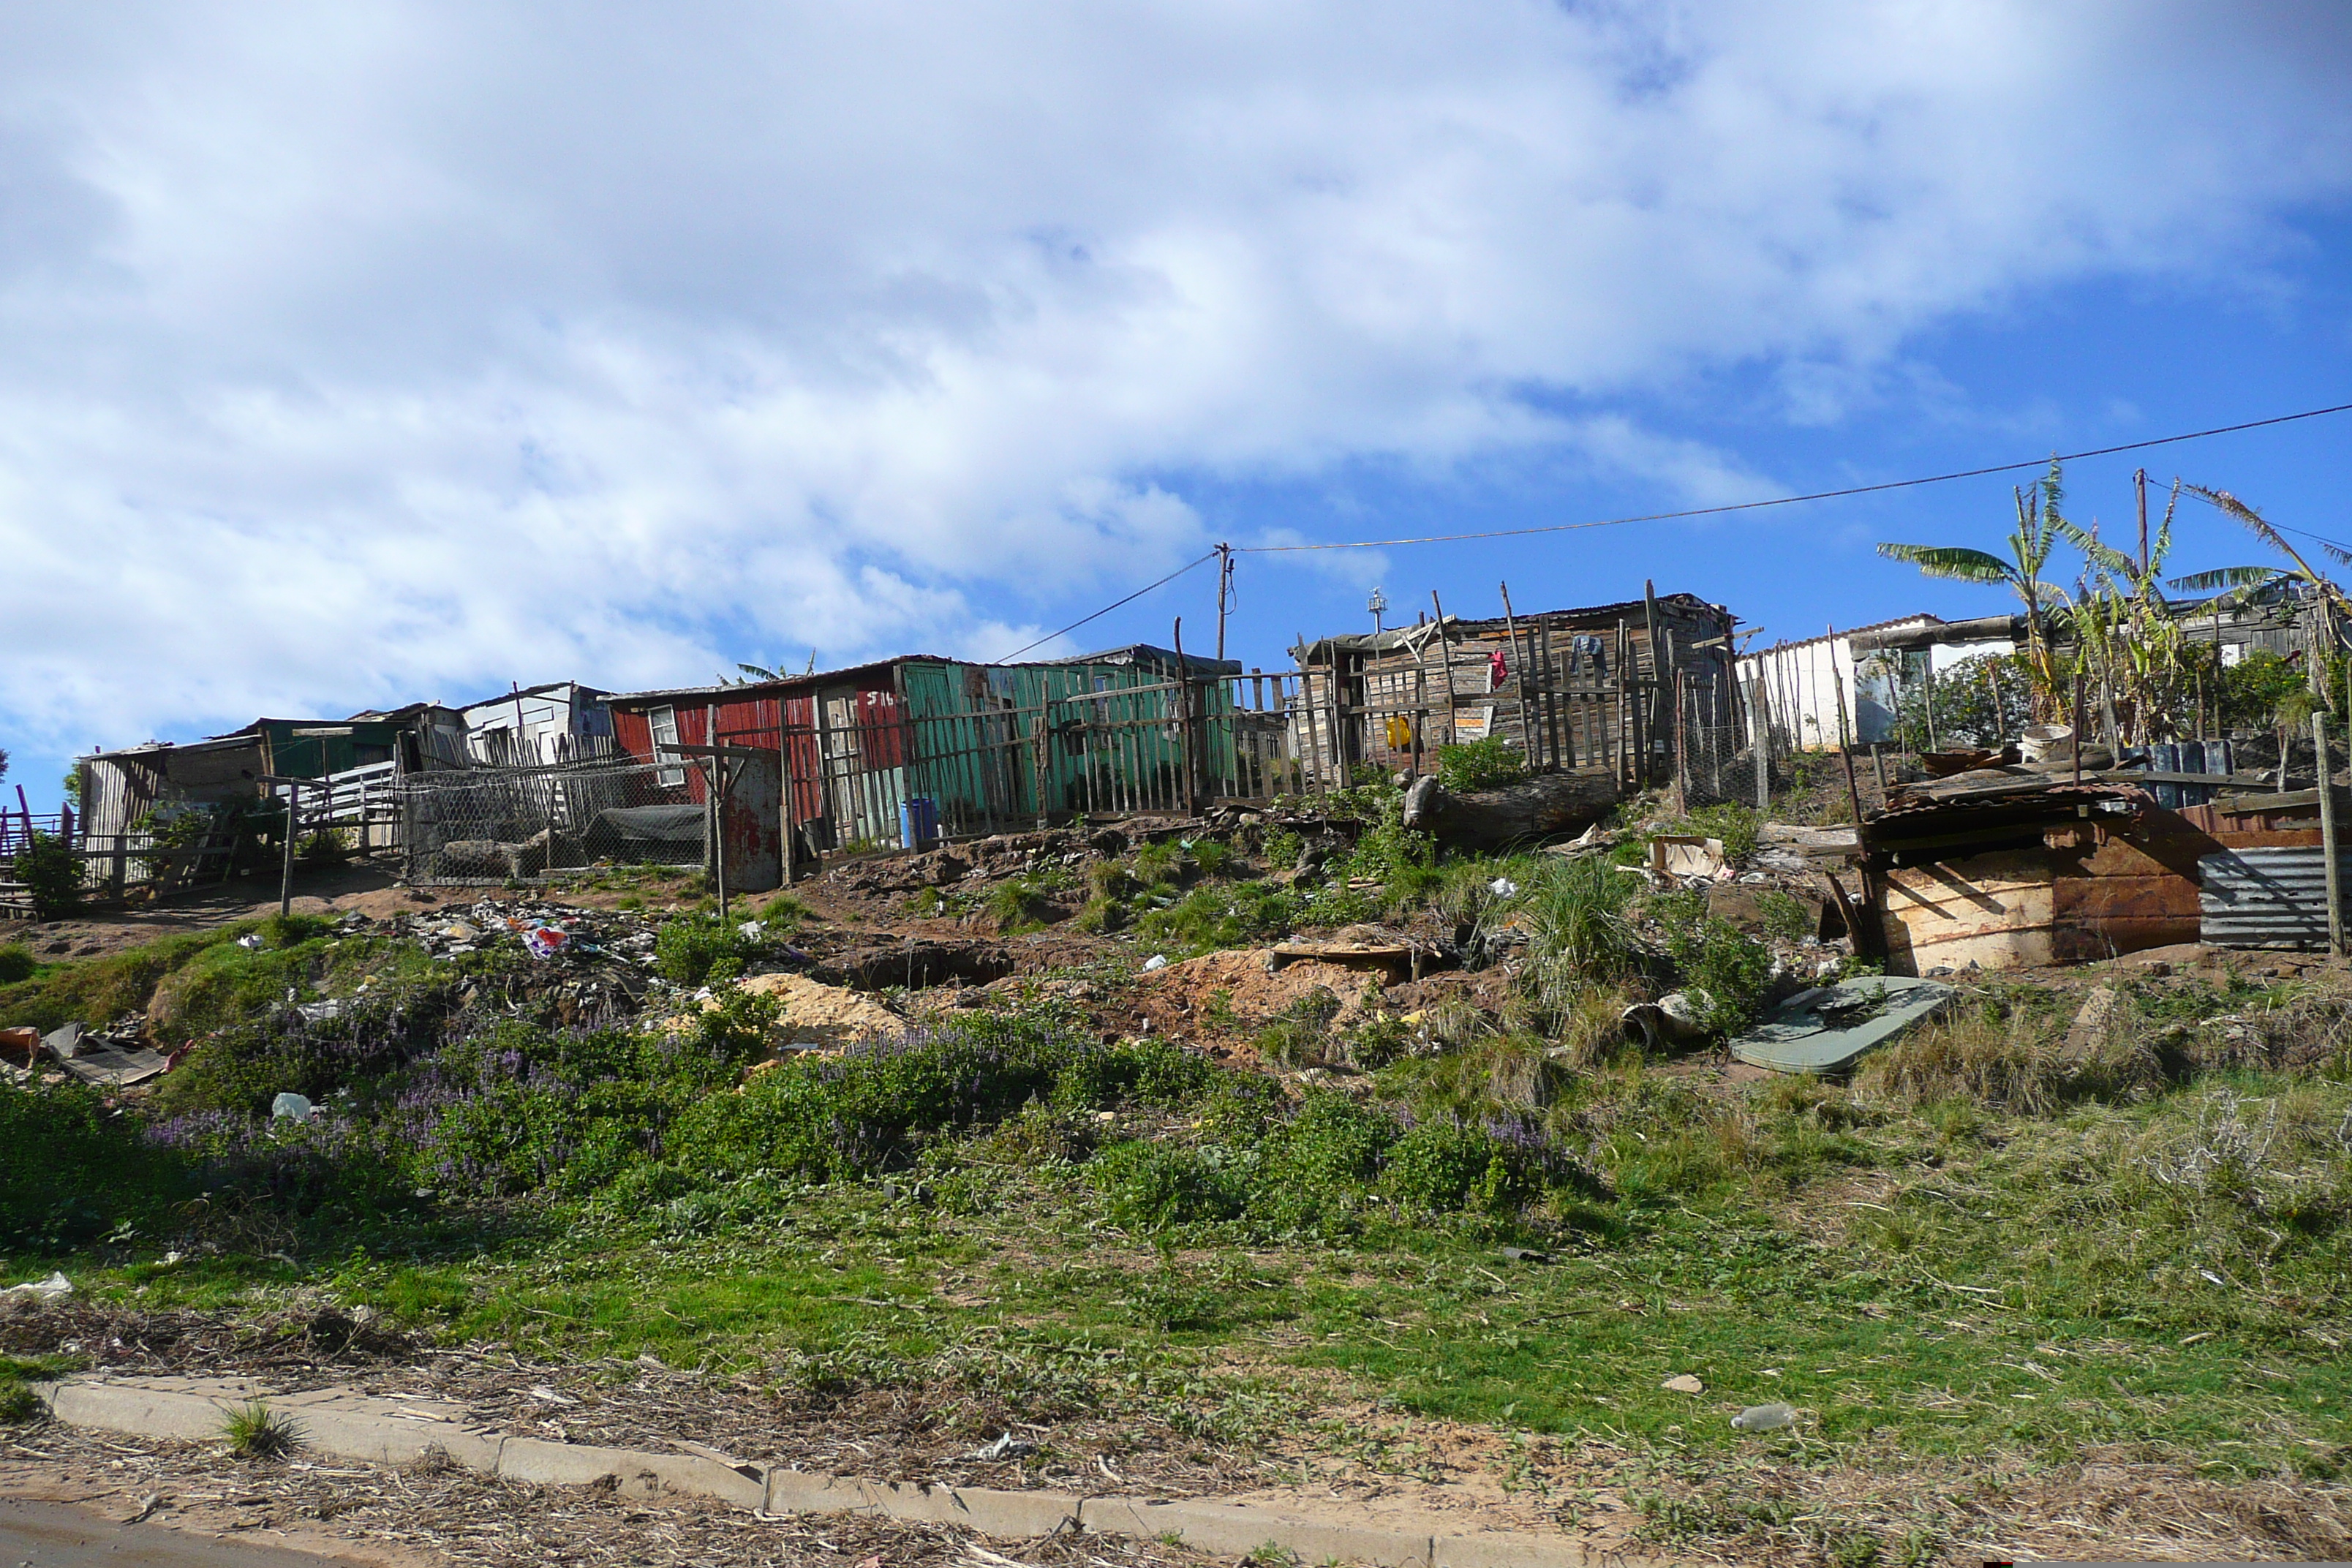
(718, 787)
(784, 766)
(1335, 721)
(1188, 757)
(2327, 836)
(1562, 747)
(293, 825)
(1446, 647)
(1039, 733)
(1529, 742)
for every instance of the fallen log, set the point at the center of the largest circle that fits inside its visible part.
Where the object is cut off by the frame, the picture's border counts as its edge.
(1489, 818)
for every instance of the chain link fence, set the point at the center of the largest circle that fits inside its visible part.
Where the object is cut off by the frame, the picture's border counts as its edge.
(489, 826)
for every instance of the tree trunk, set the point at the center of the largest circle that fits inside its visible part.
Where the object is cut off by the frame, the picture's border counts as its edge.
(1541, 806)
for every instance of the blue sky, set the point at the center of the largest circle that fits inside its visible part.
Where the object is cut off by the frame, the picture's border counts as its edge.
(406, 348)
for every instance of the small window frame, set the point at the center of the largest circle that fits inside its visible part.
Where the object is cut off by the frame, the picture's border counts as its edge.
(661, 724)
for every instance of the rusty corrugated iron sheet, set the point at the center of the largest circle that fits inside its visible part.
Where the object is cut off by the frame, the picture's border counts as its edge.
(2273, 896)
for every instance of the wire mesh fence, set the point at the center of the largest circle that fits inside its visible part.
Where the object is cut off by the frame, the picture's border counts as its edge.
(486, 825)
(1718, 765)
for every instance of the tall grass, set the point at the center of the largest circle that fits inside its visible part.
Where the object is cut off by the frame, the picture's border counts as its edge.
(1580, 935)
(2009, 1058)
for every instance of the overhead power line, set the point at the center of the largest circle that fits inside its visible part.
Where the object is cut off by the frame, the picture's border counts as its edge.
(1703, 510)
(1792, 501)
(1107, 609)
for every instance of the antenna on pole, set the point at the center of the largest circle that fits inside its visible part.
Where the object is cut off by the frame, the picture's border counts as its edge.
(1379, 606)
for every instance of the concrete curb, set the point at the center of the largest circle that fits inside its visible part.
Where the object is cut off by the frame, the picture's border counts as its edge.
(386, 1432)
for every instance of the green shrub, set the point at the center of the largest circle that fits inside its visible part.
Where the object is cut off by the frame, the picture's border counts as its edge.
(1018, 905)
(1101, 916)
(2252, 693)
(51, 871)
(1733, 969)
(785, 911)
(1160, 865)
(1785, 916)
(281, 931)
(1738, 827)
(1300, 1035)
(1380, 1041)
(876, 1108)
(1401, 860)
(1109, 880)
(526, 1108)
(1282, 849)
(1225, 915)
(1143, 1072)
(1332, 1142)
(257, 1432)
(1151, 1186)
(1494, 1074)
(17, 1403)
(323, 845)
(17, 962)
(1441, 1166)
(1479, 764)
(694, 948)
(76, 1168)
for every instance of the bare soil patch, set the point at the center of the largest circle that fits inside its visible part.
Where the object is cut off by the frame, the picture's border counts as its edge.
(409, 1519)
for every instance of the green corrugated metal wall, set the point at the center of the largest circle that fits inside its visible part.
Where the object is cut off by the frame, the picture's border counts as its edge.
(296, 756)
(973, 727)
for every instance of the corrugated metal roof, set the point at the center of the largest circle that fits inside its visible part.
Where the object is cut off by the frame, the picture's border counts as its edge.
(1920, 620)
(1144, 653)
(1965, 802)
(745, 691)
(799, 685)
(1397, 636)
(2268, 898)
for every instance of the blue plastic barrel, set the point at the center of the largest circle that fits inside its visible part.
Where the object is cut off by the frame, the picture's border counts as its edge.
(918, 822)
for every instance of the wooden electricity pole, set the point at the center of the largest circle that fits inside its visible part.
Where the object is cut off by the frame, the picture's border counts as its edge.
(1226, 593)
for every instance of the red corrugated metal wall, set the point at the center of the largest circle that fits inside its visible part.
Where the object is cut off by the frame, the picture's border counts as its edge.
(884, 739)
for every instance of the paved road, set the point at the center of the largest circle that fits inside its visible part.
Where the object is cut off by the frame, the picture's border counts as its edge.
(59, 1535)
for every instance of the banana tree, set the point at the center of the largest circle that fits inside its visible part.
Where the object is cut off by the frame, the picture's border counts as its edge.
(2030, 546)
(2254, 576)
(2126, 630)
(2334, 606)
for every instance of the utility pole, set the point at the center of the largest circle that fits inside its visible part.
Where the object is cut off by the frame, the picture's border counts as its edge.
(1225, 592)
(2139, 483)
(1379, 606)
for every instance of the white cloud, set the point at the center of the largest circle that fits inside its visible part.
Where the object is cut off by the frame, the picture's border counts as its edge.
(355, 353)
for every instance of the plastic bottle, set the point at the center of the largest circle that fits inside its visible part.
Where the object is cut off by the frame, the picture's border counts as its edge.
(1763, 1418)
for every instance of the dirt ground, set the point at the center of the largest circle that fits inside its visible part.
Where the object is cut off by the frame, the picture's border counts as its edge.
(418, 1518)
(1608, 1498)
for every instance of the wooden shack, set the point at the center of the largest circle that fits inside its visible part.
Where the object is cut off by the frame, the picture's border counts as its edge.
(1599, 687)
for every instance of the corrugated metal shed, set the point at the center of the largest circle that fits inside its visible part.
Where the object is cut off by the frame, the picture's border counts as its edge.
(966, 736)
(2268, 896)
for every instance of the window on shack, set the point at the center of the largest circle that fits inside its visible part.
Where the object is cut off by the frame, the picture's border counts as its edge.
(663, 722)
